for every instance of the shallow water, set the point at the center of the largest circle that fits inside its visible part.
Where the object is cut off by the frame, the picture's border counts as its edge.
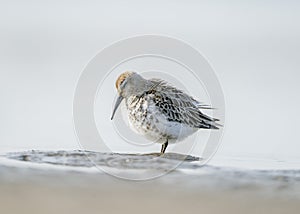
(115, 160)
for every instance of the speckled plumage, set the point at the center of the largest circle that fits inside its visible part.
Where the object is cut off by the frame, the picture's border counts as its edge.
(159, 111)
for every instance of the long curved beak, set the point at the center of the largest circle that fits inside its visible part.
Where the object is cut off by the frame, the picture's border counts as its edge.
(118, 102)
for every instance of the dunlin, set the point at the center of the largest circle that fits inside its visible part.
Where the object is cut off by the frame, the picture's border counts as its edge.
(159, 111)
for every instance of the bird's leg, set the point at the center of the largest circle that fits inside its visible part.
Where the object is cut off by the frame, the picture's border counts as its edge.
(164, 147)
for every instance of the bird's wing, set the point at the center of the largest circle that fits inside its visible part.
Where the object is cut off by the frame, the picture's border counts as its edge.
(180, 107)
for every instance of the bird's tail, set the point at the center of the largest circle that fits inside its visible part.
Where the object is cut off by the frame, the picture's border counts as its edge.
(209, 122)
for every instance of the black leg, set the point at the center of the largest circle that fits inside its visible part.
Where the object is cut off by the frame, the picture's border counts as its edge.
(164, 147)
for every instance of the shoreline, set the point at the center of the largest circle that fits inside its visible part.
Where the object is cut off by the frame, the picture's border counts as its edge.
(35, 188)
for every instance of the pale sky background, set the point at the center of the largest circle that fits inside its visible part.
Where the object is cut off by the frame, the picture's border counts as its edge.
(254, 47)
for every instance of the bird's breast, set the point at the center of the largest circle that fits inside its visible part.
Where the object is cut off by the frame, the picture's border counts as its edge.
(147, 118)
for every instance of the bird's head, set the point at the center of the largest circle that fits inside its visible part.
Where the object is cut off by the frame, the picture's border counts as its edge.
(129, 83)
(122, 81)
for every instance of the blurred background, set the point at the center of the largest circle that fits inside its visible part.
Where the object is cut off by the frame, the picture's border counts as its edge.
(253, 46)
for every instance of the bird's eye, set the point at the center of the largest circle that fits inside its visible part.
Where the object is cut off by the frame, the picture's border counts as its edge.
(122, 82)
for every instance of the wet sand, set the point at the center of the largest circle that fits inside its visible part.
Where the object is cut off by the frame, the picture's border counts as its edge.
(29, 185)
